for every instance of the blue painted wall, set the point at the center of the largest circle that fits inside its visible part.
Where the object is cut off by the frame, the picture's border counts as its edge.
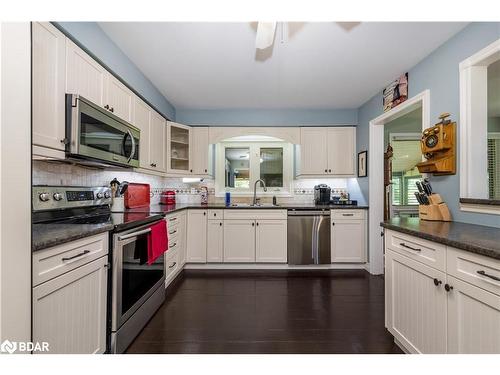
(267, 117)
(94, 39)
(439, 73)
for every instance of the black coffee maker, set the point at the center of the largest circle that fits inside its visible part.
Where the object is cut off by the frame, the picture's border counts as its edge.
(322, 194)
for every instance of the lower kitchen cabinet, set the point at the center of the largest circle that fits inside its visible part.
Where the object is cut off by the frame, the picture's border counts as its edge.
(196, 251)
(348, 236)
(215, 241)
(271, 241)
(69, 311)
(239, 241)
(415, 305)
(473, 319)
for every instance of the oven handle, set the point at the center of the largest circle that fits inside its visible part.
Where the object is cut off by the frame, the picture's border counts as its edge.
(134, 234)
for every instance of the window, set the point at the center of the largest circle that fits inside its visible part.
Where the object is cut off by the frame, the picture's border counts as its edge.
(239, 164)
(403, 189)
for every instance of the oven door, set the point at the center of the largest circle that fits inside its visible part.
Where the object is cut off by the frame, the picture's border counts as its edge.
(133, 279)
(97, 134)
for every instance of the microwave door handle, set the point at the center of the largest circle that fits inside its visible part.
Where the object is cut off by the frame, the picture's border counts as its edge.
(132, 151)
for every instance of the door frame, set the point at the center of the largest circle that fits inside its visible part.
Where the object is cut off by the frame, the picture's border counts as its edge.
(376, 165)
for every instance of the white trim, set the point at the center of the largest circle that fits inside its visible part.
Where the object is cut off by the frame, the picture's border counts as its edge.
(480, 208)
(274, 266)
(376, 175)
(219, 134)
(473, 113)
(404, 136)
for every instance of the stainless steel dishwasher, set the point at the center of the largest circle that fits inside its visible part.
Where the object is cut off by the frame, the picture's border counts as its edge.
(309, 236)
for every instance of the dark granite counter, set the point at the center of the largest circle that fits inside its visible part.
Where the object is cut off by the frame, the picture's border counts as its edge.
(48, 235)
(478, 239)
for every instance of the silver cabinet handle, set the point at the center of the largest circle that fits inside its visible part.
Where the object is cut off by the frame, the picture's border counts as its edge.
(409, 247)
(134, 234)
(347, 214)
(85, 252)
(173, 245)
(172, 265)
(483, 273)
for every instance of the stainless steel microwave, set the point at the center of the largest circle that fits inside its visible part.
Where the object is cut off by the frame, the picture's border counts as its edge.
(97, 135)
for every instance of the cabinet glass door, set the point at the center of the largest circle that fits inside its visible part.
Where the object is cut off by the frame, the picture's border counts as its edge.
(179, 148)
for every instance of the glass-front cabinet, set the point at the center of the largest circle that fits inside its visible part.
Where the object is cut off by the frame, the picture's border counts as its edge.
(179, 152)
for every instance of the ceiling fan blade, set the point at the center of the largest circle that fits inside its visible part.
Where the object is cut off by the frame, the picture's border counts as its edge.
(265, 34)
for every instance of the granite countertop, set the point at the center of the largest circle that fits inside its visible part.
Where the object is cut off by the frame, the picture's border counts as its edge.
(478, 239)
(165, 209)
(48, 235)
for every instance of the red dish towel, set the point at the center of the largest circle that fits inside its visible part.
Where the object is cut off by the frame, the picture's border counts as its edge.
(157, 241)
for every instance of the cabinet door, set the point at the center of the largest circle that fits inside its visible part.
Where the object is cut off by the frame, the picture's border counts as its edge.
(119, 98)
(341, 151)
(179, 149)
(69, 312)
(48, 85)
(313, 151)
(271, 241)
(157, 142)
(84, 76)
(215, 241)
(239, 241)
(348, 241)
(415, 306)
(182, 238)
(197, 236)
(199, 147)
(142, 119)
(473, 319)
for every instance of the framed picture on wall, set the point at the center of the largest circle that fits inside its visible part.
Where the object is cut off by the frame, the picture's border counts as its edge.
(396, 93)
(362, 163)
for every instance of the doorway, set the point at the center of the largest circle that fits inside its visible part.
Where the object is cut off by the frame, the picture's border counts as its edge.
(377, 126)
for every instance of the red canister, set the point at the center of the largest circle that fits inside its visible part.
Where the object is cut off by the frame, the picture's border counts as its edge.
(168, 197)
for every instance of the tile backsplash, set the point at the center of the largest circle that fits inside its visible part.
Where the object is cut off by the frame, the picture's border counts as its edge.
(59, 174)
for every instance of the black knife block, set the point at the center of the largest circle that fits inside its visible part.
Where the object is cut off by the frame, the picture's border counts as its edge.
(436, 210)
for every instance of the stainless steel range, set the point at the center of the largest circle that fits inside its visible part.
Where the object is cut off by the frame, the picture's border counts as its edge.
(135, 289)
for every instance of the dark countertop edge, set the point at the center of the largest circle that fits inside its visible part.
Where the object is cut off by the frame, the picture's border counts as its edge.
(158, 208)
(62, 240)
(486, 202)
(470, 247)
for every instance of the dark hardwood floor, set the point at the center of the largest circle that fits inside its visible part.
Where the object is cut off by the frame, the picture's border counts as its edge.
(270, 312)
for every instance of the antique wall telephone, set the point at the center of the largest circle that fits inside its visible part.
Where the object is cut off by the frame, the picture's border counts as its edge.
(438, 145)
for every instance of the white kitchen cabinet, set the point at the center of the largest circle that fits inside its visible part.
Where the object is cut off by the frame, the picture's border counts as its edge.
(182, 231)
(415, 306)
(172, 263)
(341, 151)
(271, 241)
(69, 311)
(157, 142)
(118, 98)
(199, 151)
(84, 75)
(348, 236)
(215, 241)
(239, 241)
(327, 151)
(48, 86)
(313, 151)
(473, 319)
(142, 119)
(179, 149)
(197, 236)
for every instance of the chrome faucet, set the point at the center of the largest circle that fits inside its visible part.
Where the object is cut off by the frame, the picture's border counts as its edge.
(255, 190)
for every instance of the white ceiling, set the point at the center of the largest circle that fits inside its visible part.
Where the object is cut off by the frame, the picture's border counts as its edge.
(320, 65)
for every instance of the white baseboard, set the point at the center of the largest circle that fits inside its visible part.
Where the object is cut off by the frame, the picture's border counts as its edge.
(271, 266)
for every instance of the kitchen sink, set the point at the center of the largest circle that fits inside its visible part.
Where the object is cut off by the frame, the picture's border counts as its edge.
(258, 205)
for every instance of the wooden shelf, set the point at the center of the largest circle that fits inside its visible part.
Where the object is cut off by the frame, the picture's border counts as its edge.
(179, 142)
(181, 159)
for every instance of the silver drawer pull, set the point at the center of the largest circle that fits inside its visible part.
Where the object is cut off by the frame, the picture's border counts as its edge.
(347, 214)
(76, 256)
(409, 247)
(173, 245)
(172, 265)
(483, 273)
(173, 232)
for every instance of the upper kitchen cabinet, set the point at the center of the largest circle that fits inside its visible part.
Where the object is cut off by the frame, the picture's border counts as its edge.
(48, 85)
(178, 149)
(327, 151)
(200, 151)
(118, 98)
(84, 75)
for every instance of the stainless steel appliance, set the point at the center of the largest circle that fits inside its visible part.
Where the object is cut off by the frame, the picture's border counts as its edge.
(97, 135)
(135, 289)
(308, 236)
(322, 193)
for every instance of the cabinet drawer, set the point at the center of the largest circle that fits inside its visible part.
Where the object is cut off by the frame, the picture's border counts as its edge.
(55, 261)
(476, 269)
(255, 214)
(172, 264)
(215, 214)
(427, 252)
(347, 214)
(174, 219)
